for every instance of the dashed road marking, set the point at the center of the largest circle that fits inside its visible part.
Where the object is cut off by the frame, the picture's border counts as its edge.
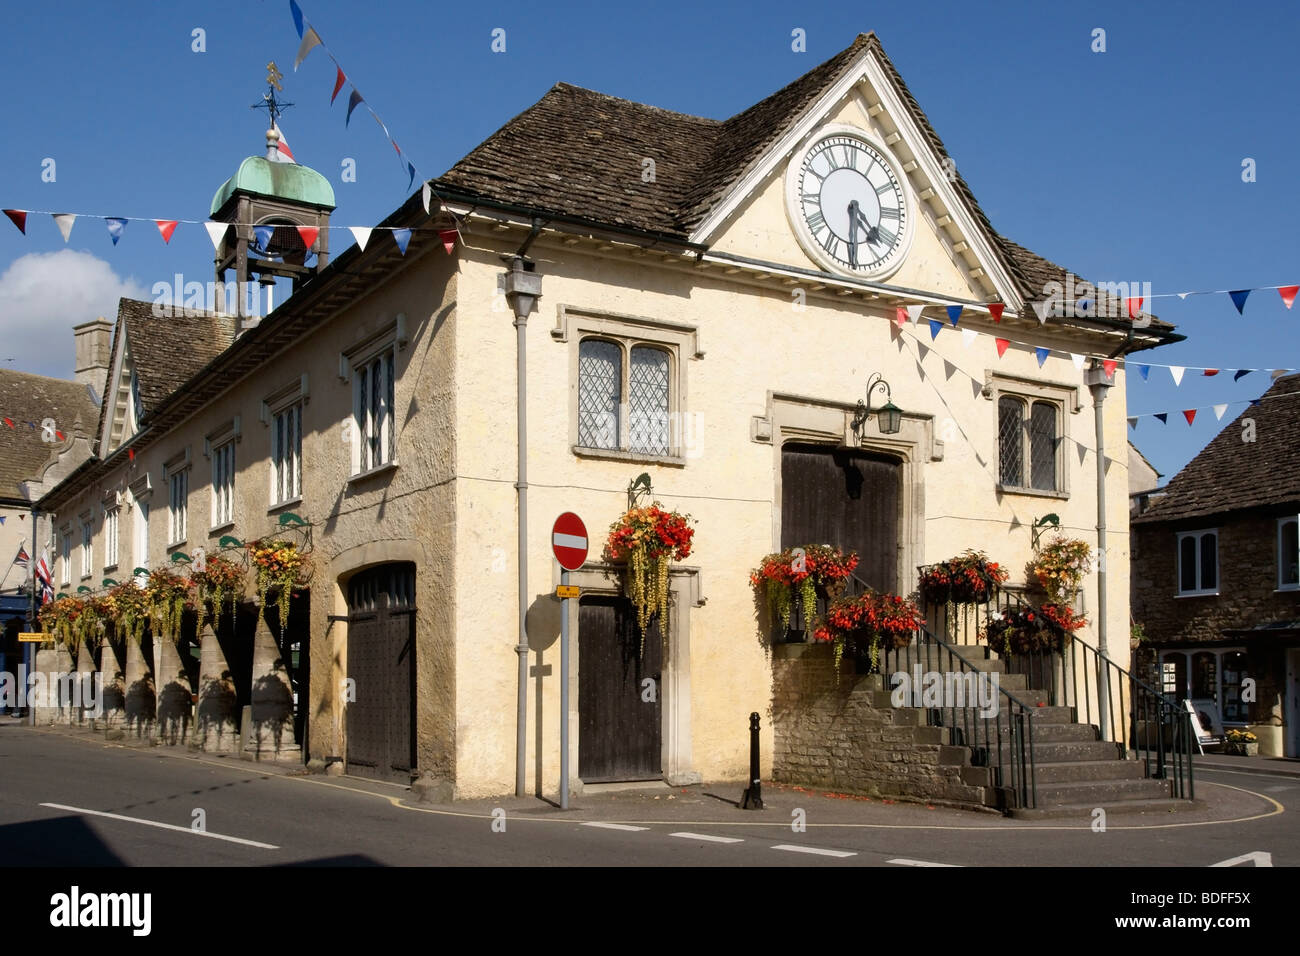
(707, 838)
(613, 826)
(794, 848)
(903, 861)
(162, 826)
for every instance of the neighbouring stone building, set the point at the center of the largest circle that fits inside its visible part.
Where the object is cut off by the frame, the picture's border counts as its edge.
(1216, 574)
(710, 314)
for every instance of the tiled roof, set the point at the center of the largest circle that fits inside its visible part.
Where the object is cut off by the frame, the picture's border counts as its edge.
(1230, 474)
(166, 351)
(578, 153)
(33, 398)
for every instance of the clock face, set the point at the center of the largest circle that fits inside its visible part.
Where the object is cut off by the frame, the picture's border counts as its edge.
(851, 204)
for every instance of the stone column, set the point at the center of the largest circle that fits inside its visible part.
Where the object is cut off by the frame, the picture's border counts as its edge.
(114, 671)
(85, 681)
(140, 700)
(271, 735)
(175, 695)
(218, 720)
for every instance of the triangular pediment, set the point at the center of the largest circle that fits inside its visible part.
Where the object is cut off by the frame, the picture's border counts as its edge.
(949, 248)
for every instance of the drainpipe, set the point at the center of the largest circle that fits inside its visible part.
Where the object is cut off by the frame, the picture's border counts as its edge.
(523, 287)
(1099, 382)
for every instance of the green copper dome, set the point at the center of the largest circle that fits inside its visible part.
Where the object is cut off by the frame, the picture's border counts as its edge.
(279, 180)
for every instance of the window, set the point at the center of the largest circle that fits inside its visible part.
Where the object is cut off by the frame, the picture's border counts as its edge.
(223, 484)
(1288, 554)
(624, 397)
(1029, 443)
(286, 454)
(87, 559)
(372, 404)
(178, 505)
(65, 555)
(111, 515)
(1198, 562)
(141, 534)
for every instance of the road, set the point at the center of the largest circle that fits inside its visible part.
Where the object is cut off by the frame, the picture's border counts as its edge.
(77, 801)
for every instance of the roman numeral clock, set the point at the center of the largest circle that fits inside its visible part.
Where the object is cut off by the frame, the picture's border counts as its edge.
(848, 204)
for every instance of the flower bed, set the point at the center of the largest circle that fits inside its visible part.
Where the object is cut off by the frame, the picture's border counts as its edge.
(796, 577)
(648, 540)
(863, 622)
(1024, 630)
(969, 578)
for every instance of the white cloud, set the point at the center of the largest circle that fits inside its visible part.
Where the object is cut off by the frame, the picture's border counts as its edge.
(43, 295)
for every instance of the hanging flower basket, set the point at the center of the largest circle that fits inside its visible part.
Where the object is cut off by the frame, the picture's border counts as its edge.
(95, 613)
(969, 578)
(130, 608)
(221, 582)
(796, 577)
(1058, 568)
(168, 593)
(1025, 630)
(59, 619)
(280, 565)
(864, 622)
(648, 540)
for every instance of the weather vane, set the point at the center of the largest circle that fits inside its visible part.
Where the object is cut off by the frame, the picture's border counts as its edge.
(273, 106)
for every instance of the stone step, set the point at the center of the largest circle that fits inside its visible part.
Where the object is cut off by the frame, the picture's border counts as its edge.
(1083, 811)
(1072, 750)
(1099, 793)
(1084, 770)
(985, 734)
(935, 657)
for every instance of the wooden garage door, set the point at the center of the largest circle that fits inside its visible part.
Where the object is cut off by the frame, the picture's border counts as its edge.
(381, 661)
(845, 498)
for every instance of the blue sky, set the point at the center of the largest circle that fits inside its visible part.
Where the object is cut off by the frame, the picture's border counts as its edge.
(1122, 166)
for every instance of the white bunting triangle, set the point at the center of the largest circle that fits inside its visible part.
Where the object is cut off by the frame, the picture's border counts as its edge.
(1177, 372)
(64, 221)
(427, 195)
(1183, 295)
(914, 312)
(1040, 310)
(362, 235)
(1219, 410)
(968, 337)
(216, 232)
(1077, 360)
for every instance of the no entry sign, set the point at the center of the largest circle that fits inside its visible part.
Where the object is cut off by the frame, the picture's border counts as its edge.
(569, 541)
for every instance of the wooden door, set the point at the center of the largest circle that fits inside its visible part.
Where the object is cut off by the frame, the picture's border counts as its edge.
(845, 498)
(619, 693)
(381, 662)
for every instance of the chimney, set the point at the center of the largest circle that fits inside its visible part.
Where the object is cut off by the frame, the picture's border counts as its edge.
(94, 353)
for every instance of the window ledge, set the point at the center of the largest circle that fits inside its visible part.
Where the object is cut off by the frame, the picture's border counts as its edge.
(176, 545)
(640, 457)
(1288, 589)
(87, 577)
(1194, 594)
(217, 529)
(109, 567)
(373, 473)
(1031, 492)
(287, 503)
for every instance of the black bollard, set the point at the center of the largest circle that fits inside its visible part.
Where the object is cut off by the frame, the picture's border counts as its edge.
(753, 798)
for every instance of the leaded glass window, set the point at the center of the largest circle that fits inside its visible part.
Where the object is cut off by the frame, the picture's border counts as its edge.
(600, 389)
(1042, 447)
(1011, 454)
(647, 388)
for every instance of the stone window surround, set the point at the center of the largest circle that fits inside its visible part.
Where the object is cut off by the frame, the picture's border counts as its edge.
(390, 336)
(272, 405)
(229, 432)
(65, 555)
(816, 421)
(685, 590)
(173, 466)
(112, 505)
(1178, 563)
(85, 521)
(141, 490)
(1067, 398)
(678, 339)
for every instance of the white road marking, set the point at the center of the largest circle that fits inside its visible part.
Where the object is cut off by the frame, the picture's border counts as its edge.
(1258, 857)
(614, 826)
(794, 848)
(903, 861)
(162, 826)
(707, 838)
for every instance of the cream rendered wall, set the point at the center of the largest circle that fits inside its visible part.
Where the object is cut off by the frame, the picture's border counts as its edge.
(755, 343)
(403, 514)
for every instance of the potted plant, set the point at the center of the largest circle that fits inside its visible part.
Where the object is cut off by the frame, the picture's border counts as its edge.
(167, 594)
(1242, 743)
(59, 620)
(862, 623)
(280, 566)
(1058, 568)
(969, 578)
(130, 608)
(647, 540)
(221, 581)
(1027, 629)
(795, 578)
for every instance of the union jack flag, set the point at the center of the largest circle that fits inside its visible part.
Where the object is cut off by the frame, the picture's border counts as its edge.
(44, 580)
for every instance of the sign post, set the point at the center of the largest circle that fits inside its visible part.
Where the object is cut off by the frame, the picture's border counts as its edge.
(569, 543)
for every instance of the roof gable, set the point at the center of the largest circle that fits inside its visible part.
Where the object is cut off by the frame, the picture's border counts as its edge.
(28, 401)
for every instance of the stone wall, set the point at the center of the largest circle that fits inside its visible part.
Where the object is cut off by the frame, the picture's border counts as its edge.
(844, 734)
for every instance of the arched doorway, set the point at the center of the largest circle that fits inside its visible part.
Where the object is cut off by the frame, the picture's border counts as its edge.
(381, 667)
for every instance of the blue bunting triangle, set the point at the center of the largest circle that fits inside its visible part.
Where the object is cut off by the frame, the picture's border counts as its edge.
(1239, 299)
(411, 169)
(263, 236)
(935, 326)
(954, 313)
(1042, 354)
(402, 237)
(1242, 373)
(353, 101)
(115, 228)
(1163, 417)
(1144, 371)
(297, 17)
(1254, 402)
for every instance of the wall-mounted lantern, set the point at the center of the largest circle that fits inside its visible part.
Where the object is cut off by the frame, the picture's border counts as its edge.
(889, 415)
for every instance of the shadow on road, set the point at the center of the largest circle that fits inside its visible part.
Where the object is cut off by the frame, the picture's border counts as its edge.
(63, 841)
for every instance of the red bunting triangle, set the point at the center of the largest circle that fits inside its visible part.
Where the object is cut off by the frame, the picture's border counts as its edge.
(1210, 372)
(1287, 292)
(1133, 310)
(1190, 415)
(1002, 346)
(995, 310)
(900, 316)
(448, 237)
(1110, 365)
(166, 227)
(309, 234)
(19, 218)
(338, 85)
